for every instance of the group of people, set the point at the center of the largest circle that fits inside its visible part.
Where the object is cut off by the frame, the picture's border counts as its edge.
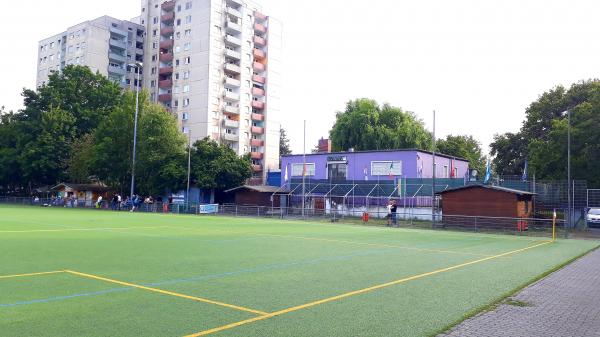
(392, 216)
(117, 203)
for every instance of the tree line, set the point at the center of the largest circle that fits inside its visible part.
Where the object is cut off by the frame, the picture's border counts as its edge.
(79, 128)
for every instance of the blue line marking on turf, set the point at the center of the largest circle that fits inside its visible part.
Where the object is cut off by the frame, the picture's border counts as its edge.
(267, 267)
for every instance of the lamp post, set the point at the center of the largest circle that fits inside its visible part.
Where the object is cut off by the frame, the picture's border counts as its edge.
(137, 66)
(569, 201)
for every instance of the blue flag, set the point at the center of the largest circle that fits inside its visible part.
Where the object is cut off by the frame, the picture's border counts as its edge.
(524, 177)
(488, 172)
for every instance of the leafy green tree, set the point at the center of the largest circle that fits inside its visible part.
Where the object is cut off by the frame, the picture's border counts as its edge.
(465, 147)
(78, 165)
(365, 125)
(284, 143)
(218, 167)
(10, 174)
(510, 152)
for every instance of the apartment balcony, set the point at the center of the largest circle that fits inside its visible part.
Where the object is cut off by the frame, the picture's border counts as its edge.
(165, 98)
(165, 71)
(233, 11)
(257, 130)
(258, 92)
(256, 155)
(231, 110)
(259, 54)
(235, 2)
(230, 123)
(167, 18)
(258, 105)
(116, 57)
(139, 51)
(168, 6)
(258, 66)
(232, 68)
(120, 44)
(257, 117)
(259, 79)
(116, 70)
(165, 84)
(167, 30)
(229, 137)
(236, 55)
(166, 57)
(231, 96)
(232, 82)
(139, 39)
(233, 40)
(233, 27)
(117, 31)
(256, 142)
(259, 41)
(167, 44)
(260, 16)
(257, 168)
(260, 28)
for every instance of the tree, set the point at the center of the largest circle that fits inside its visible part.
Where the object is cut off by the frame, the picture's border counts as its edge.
(465, 147)
(509, 151)
(284, 143)
(365, 125)
(79, 164)
(218, 167)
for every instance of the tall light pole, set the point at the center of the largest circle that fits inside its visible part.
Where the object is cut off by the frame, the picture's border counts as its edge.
(304, 169)
(433, 174)
(137, 66)
(187, 195)
(569, 201)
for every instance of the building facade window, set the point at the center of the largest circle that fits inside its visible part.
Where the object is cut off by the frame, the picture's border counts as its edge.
(386, 168)
(298, 168)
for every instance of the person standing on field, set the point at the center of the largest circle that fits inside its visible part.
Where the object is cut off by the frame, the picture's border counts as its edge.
(394, 210)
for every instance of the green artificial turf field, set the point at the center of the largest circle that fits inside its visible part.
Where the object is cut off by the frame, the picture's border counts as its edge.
(123, 274)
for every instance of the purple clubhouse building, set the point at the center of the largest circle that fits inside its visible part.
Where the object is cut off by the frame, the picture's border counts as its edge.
(372, 166)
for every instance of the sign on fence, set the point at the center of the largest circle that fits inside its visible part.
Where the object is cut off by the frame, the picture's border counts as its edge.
(208, 209)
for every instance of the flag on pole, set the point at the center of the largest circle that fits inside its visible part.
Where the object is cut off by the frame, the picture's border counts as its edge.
(524, 177)
(304, 170)
(452, 174)
(285, 176)
(488, 172)
(366, 173)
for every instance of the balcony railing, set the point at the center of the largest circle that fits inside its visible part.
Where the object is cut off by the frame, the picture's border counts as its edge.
(165, 84)
(257, 168)
(257, 130)
(256, 142)
(167, 31)
(233, 68)
(236, 55)
(233, 12)
(256, 155)
(230, 137)
(116, 70)
(258, 105)
(260, 28)
(233, 40)
(259, 41)
(258, 92)
(168, 6)
(118, 43)
(231, 96)
(257, 117)
(259, 54)
(230, 123)
(259, 79)
(165, 71)
(231, 110)
(235, 2)
(260, 16)
(166, 57)
(169, 17)
(232, 82)
(258, 66)
(165, 98)
(116, 57)
(233, 27)
(167, 44)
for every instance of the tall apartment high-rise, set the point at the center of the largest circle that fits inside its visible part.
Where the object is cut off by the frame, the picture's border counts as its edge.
(105, 44)
(215, 65)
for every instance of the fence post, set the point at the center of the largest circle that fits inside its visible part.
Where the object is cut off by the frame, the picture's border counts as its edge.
(236, 210)
(476, 224)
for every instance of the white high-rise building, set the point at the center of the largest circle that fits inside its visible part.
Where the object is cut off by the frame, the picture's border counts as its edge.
(215, 65)
(106, 45)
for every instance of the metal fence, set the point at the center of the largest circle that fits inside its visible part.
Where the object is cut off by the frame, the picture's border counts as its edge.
(403, 218)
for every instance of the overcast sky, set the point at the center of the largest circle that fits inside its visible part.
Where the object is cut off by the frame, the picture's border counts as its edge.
(477, 63)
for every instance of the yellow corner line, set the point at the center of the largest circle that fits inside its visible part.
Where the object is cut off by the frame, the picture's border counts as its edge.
(376, 245)
(32, 274)
(360, 291)
(165, 292)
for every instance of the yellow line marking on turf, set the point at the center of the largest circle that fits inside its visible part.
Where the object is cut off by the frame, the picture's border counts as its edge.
(32, 274)
(357, 292)
(375, 244)
(81, 229)
(165, 292)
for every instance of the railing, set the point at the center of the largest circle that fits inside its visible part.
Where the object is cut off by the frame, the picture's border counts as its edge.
(506, 225)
